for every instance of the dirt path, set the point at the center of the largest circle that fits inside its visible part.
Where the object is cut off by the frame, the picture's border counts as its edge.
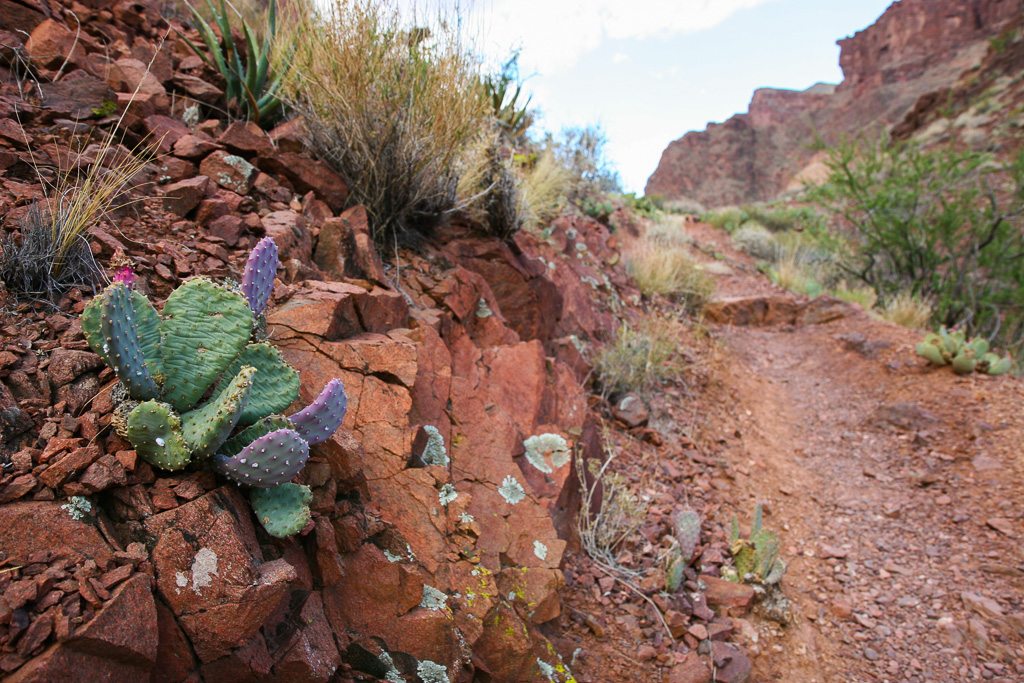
(896, 490)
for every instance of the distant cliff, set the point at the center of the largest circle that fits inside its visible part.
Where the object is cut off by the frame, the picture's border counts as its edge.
(915, 47)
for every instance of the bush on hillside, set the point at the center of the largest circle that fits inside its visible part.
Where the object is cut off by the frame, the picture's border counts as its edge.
(391, 108)
(943, 224)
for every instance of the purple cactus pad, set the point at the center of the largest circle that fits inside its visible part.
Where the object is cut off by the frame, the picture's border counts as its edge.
(260, 270)
(272, 459)
(318, 421)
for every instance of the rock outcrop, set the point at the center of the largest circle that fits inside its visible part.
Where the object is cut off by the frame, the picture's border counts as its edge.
(915, 47)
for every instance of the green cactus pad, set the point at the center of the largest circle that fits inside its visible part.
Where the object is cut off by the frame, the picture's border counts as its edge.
(283, 510)
(268, 424)
(980, 347)
(276, 385)
(204, 327)
(206, 428)
(121, 343)
(964, 362)
(91, 328)
(931, 352)
(155, 431)
(778, 570)
(674, 572)
(997, 365)
(766, 550)
(147, 320)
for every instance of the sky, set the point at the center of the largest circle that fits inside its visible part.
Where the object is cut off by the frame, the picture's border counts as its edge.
(648, 71)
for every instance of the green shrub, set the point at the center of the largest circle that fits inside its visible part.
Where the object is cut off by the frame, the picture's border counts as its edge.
(728, 218)
(863, 295)
(754, 239)
(392, 112)
(513, 118)
(943, 224)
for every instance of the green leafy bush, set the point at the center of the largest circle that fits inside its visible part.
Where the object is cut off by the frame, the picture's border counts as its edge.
(943, 224)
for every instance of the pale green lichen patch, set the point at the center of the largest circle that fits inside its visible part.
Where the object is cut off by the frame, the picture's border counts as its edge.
(434, 453)
(542, 448)
(433, 599)
(447, 494)
(540, 550)
(77, 507)
(432, 672)
(483, 310)
(511, 490)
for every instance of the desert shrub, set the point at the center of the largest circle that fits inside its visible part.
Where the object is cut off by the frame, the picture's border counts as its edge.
(863, 295)
(639, 357)
(544, 188)
(754, 239)
(611, 510)
(943, 224)
(907, 309)
(728, 218)
(670, 272)
(392, 109)
(582, 152)
(643, 206)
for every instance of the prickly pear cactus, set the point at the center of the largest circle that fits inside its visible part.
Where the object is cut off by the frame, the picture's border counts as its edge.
(965, 356)
(202, 343)
(282, 510)
(687, 532)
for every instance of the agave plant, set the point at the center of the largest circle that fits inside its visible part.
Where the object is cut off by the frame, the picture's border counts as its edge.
(251, 86)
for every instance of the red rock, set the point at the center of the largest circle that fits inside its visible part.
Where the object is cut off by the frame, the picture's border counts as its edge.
(183, 196)
(246, 138)
(197, 88)
(230, 172)
(723, 593)
(76, 95)
(17, 488)
(164, 131)
(21, 17)
(324, 310)
(194, 147)
(174, 658)
(506, 647)
(69, 466)
(51, 43)
(310, 653)
(731, 664)
(308, 175)
(210, 572)
(291, 234)
(119, 644)
(388, 608)
(754, 310)
(66, 365)
(630, 410)
(382, 310)
(692, 670)
(346, 250)
(229, 228)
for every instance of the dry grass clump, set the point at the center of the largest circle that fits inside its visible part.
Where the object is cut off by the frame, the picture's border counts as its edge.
(908, 310)
(754, 239)
(797, 271)
(669, 230)
(390, 107)
(671, 272)
(51, 254)
(639, 357)
(545, 186)
(864, 295)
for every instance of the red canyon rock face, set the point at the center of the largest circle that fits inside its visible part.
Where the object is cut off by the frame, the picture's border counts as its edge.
(915, 47)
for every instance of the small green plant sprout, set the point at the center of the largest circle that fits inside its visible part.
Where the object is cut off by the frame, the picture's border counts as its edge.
(755, 558)
(202, 343)
(598, 209)
(951, 347)
(686, 536)
(252, 87)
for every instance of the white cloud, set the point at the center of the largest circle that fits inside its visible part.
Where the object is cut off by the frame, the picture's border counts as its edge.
(619, 58)
(555, 34)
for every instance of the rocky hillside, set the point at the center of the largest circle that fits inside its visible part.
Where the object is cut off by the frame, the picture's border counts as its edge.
(915, 47)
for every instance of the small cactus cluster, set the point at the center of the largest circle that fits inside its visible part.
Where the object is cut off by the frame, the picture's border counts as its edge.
(686, 534)
(756, 558)
(953, 348)
(202, 343)
(600, 210)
